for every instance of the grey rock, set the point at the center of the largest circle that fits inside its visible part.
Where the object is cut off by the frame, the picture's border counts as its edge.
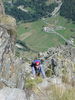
(6, 51)
(12, 94)
(73, 53)
(2, 11)
(44, 84)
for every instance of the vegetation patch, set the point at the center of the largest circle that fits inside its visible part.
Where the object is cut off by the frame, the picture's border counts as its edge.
(31, 83)
(49, 73)
(60, 93)
(30, 10)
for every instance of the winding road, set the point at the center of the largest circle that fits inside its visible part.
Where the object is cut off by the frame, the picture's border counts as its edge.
(56, 10)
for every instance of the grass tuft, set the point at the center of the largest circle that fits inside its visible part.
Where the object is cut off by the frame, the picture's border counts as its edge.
(31, 83)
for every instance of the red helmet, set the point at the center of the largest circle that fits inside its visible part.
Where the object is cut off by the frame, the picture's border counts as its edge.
(37, 63)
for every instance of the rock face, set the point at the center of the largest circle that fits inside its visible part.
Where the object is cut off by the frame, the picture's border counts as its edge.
(12, 69)
(7, 40)
(64, 61)
(12, 94)
(7, 21)
(7, 47)
(6, 54)
(1, 8)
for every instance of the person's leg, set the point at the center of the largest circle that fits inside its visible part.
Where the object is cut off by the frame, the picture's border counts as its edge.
(33, 72)
(42, 72)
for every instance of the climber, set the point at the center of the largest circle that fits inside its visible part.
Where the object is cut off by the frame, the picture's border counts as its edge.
(37, 68)
(54, 64)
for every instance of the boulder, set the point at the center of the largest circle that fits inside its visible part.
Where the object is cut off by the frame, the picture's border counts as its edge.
(12, 94)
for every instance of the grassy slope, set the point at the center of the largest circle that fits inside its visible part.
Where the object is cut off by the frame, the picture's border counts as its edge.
(40, 40)
(64, 22)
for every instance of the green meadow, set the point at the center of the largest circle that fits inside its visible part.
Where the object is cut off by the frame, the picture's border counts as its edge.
(33, 35)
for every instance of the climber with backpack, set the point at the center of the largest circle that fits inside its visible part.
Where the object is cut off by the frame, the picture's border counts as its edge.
(37, 68)
(54, 64)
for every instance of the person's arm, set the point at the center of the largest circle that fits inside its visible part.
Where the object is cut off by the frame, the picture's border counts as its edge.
(42, 71)
(33, 71)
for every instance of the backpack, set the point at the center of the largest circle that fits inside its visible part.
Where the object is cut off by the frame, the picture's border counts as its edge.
(54, 63)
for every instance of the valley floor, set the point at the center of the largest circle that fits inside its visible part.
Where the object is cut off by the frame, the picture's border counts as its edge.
(36, 38)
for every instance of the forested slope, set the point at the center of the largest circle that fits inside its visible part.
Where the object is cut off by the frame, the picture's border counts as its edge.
(68, 9)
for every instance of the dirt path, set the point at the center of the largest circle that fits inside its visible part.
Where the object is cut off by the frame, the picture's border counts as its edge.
(56, 10)
(61, 36)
